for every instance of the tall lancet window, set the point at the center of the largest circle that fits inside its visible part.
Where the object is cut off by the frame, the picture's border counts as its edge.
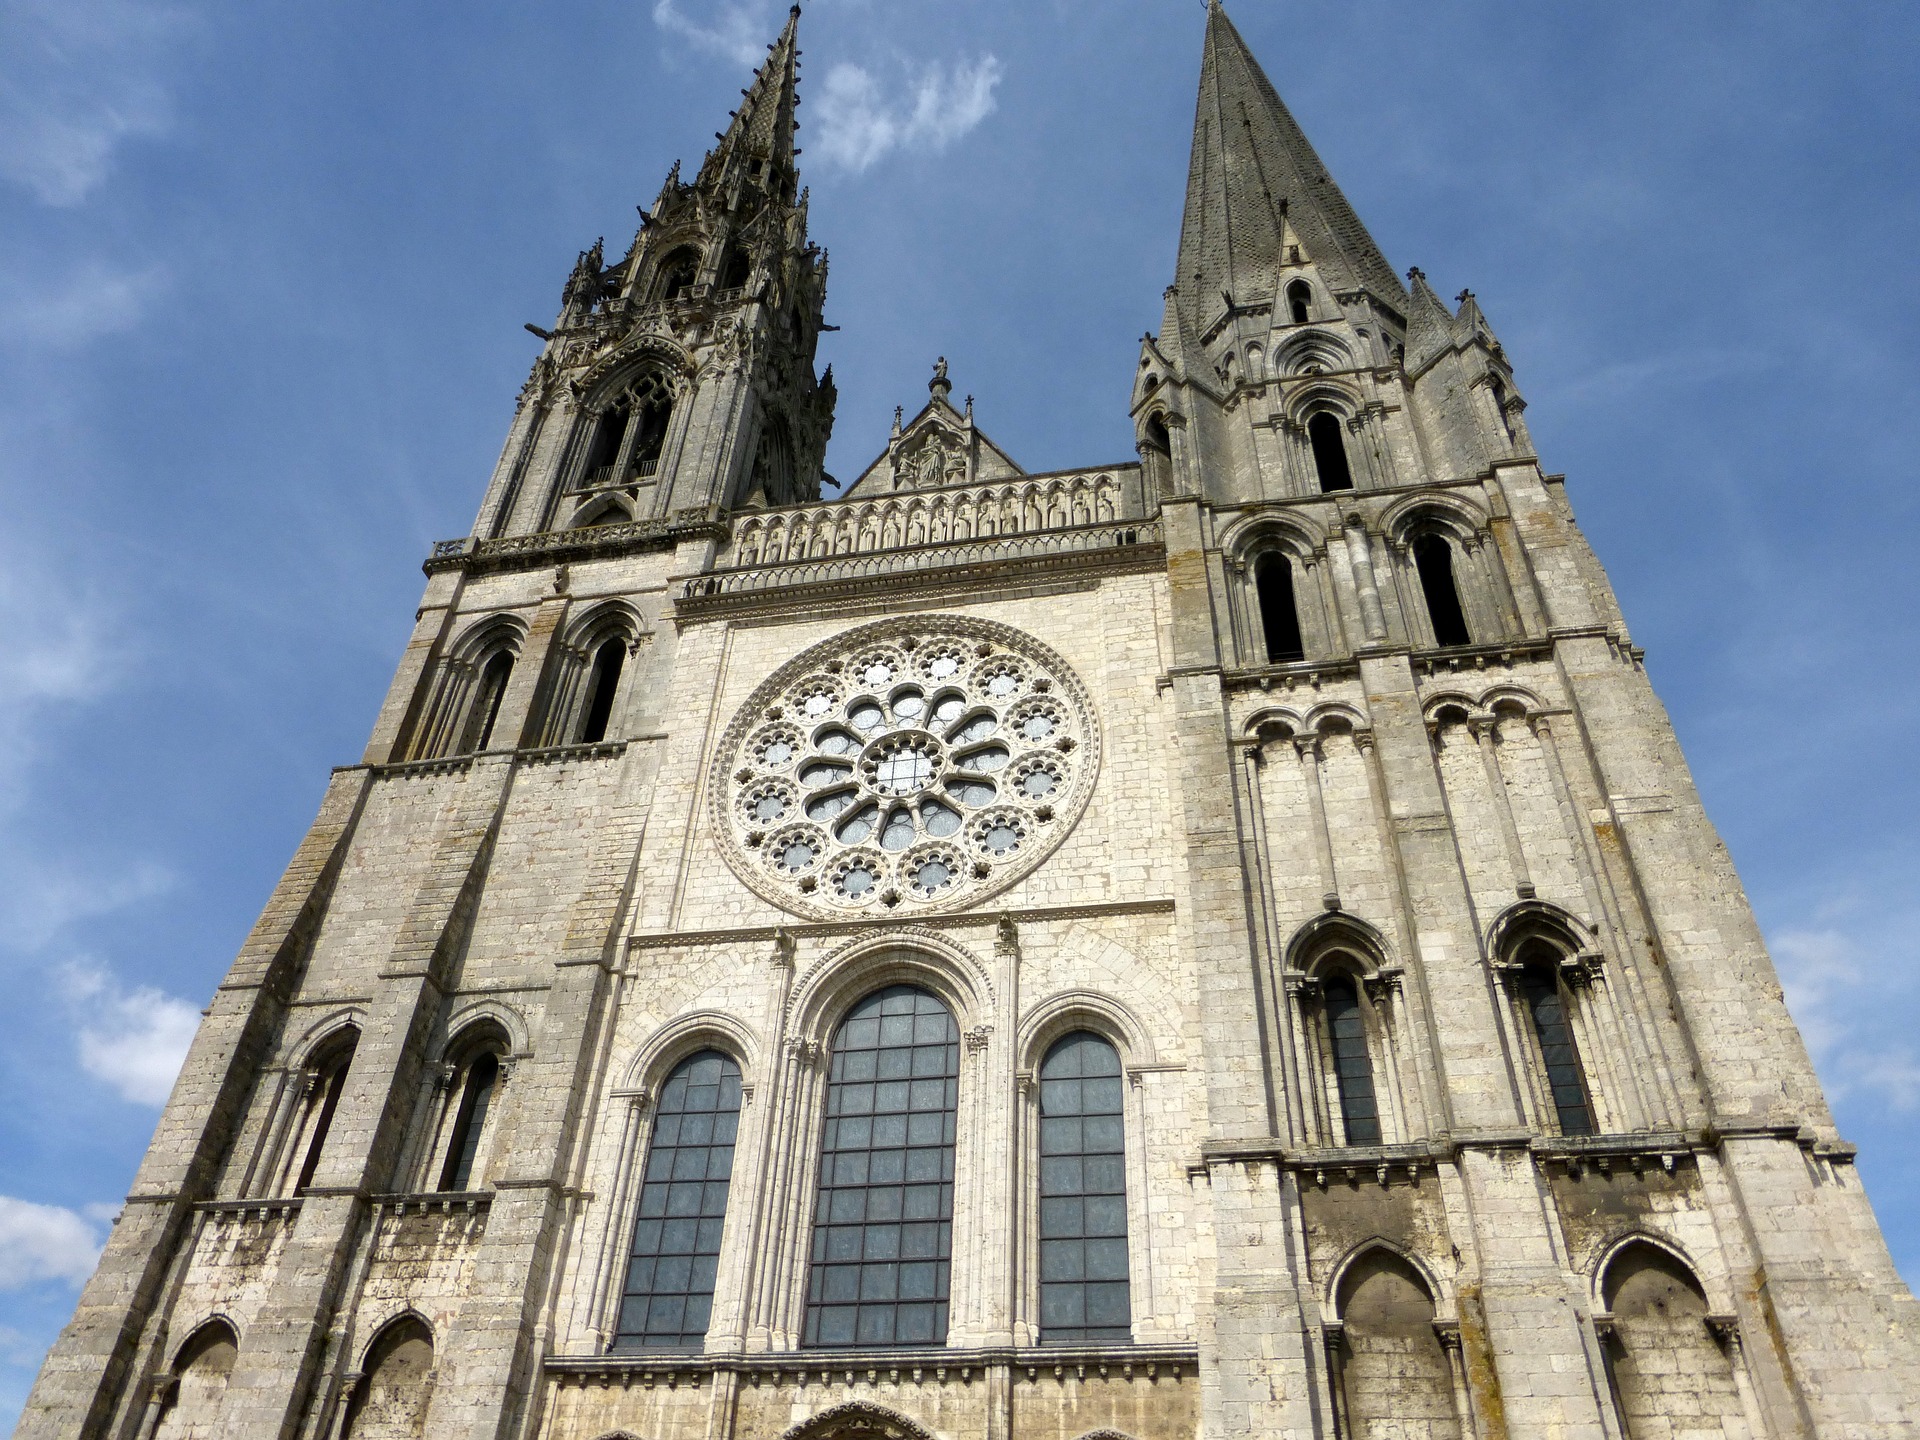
(470, 1120)
(1299, 301)
(1329, 452)
(683, 1206)
(883, 1223)
(485, 713)
(1352, 1062)
(603, 683)
(323, 1100)
(1544, 997)
(1433, 558)
(1279, 619)
(1084, 1297)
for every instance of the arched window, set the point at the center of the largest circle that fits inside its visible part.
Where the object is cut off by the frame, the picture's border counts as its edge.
(1391, 1375)
(603, 682)
(1543, 995)
(1279, 619)
(683, 1206)
(323, 1099)
(200, 1375)
(1329, 452)
(1084, 1298)
(1352, 1062)
(485, 711)
(737, 270)
(390, 1402)
(1156, 436)
(1433, 559)
(883, 1222)
(1299, 301)
(1663, 1360)
(477, 1085)
(677, 272)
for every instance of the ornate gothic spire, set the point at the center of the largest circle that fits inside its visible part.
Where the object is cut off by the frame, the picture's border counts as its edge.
(763, 127)
(1252, 179)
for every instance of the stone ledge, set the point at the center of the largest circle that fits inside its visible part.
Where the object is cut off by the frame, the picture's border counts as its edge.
(661, 939)
(916, 1365)
(1123, 547)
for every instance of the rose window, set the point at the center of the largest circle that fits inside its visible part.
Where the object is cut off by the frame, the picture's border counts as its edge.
(908, 765)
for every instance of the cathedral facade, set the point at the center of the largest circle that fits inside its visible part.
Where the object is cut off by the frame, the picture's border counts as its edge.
(1223, 944)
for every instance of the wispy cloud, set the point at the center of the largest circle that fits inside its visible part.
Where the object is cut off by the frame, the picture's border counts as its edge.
(89, 302)
(134, 1038)
(1830, 990)
(861, 120)
(78, 78)
(735, 30)
(44, 1242)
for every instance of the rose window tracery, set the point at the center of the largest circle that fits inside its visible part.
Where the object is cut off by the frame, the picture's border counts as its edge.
(909, 765)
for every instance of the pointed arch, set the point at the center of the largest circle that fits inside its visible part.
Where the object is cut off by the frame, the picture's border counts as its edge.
(1388, 1362)
(1663, 1346)
(197, 1378)
(397, 1374)
(858, 1420)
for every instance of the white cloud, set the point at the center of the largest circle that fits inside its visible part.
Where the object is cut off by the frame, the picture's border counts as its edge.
(91, 301)
(43, 1242)
(77, 79)
(133, 1039)
(735, 30)
(861, 121)
(1835, 998)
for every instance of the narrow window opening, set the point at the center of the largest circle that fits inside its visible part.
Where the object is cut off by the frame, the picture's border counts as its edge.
(1500, 409)
(1157, 438)
(1329, 452)
(332, 1084)
(1433, 558)
(1300, 301)
(1352, 1065)
(677, 273)
(883, 1220)
(738, 267)
(1547, 1010)
(608, 432)
(1084, 1295)
(668, 1298)
(651, 437)
(1279, 619)
(486, 703)
(601, 686)
(470, 1123)
(773, 477)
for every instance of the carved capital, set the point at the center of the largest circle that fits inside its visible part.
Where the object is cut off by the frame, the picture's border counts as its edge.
(978, 1038)
(804, 1053)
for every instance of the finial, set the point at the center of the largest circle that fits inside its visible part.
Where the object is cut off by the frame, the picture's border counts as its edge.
(1416, 273)
(940, 385)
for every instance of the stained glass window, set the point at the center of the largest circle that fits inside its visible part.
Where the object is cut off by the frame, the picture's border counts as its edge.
(683, 1205)
(883, 1224)
(1083, 1196)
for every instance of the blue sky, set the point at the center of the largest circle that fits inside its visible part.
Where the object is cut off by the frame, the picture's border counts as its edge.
(263, 271)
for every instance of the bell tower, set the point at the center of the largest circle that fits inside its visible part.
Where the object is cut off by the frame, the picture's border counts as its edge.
(678, 380)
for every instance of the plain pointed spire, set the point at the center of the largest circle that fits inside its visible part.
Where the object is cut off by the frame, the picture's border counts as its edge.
(1254, 176)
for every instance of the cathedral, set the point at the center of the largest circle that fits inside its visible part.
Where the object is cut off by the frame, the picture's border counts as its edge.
(1223, 943)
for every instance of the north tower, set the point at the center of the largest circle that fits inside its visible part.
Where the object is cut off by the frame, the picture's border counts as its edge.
(1222, 943)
